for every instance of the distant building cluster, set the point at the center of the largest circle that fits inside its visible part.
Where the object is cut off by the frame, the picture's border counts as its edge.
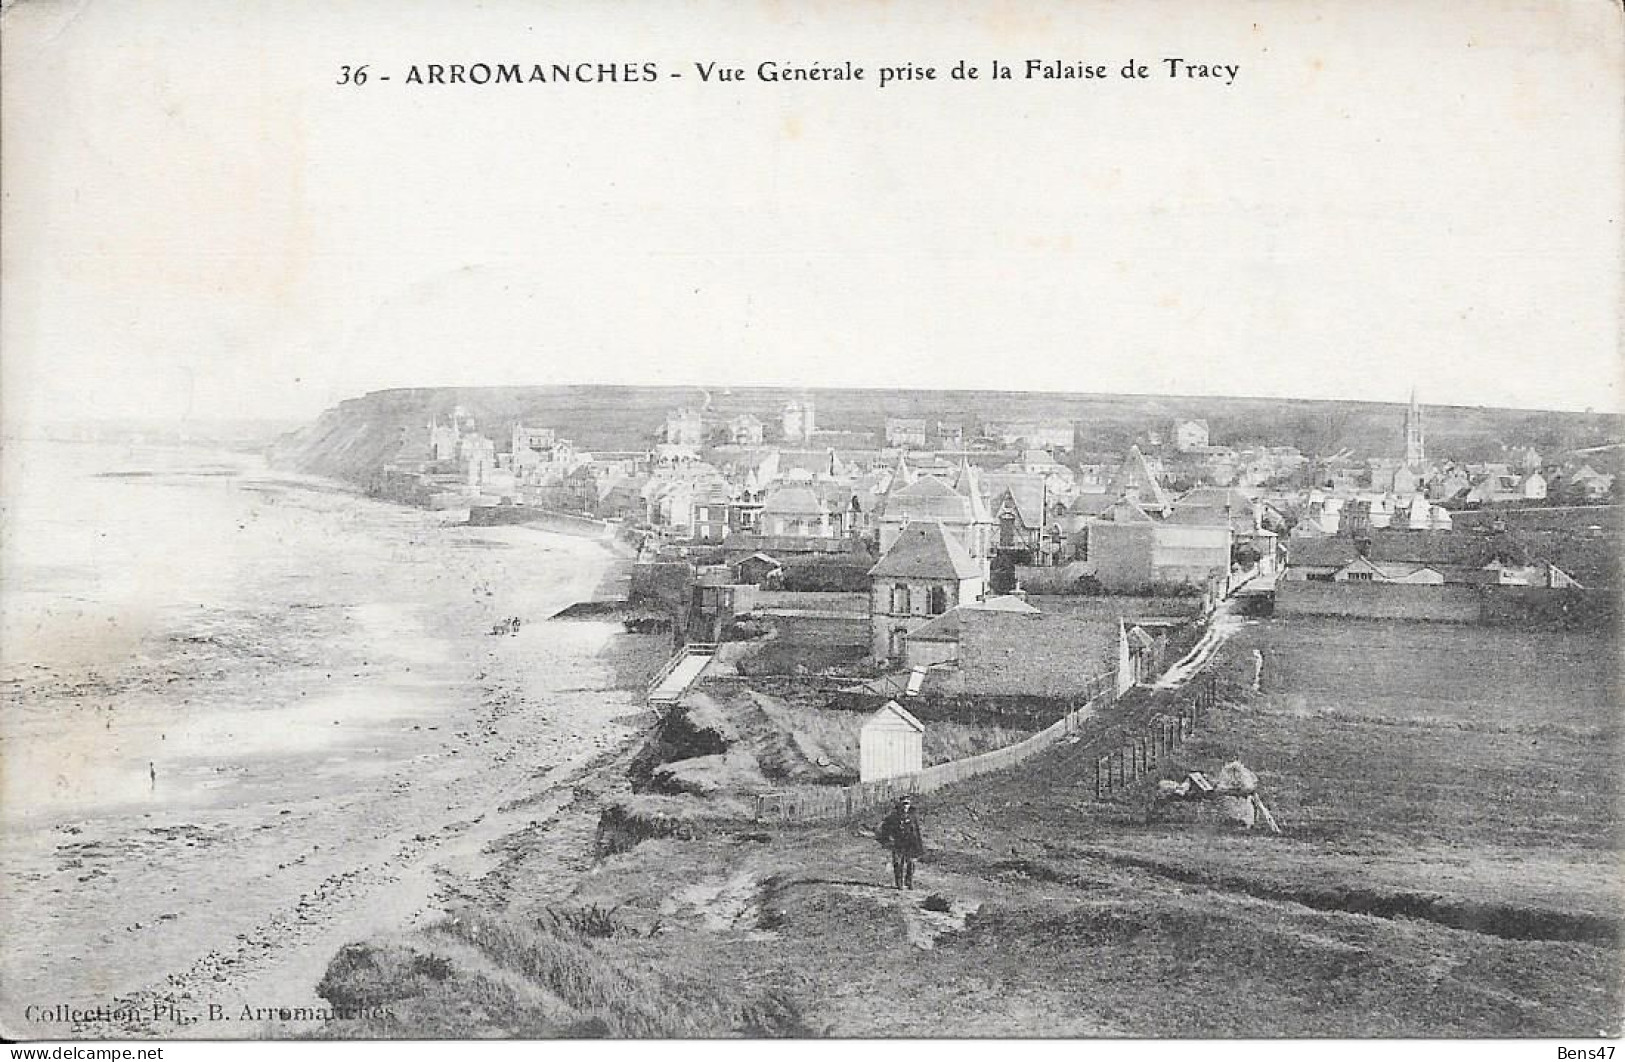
(931, 515)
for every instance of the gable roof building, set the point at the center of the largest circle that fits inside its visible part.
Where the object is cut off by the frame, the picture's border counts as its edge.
(925, 550)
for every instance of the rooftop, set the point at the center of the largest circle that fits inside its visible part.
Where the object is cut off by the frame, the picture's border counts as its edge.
(925, 550)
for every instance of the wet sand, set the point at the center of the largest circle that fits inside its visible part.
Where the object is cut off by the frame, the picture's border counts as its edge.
(295, 731)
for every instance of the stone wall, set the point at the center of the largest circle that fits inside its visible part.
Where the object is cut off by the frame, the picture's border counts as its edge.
(1457, 604)
(1037, 655)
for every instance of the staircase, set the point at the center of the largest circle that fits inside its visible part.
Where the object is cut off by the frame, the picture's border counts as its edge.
(679, 673)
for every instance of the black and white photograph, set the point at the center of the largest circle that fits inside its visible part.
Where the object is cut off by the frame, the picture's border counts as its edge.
(548, 520)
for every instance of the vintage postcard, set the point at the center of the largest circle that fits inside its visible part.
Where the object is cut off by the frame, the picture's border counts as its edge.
(547, 519)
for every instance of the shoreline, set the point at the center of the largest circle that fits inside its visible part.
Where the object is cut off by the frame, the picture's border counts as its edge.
(355, 773)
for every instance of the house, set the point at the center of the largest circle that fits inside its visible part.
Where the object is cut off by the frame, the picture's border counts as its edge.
(537, 439)
(712, 518)
(890, 744)
(1096, 469)
(799, 420)
(1418, 514)
(1319, 559)
(1189, 435)
(925, 572)
(1017, 503)
(794, 510)
(1591, 484)
(685, 428)
(1524, 458)
(907, 433)
(745, 430)
(1032, 434)
(810, 466)
(575, 492)
(1137, 478)
(1322, 515)
(930, 498)
(1217, 507)
(1449, 484)
(621, 498)
(1400, 481)
(1366, 570)
(1404, 557)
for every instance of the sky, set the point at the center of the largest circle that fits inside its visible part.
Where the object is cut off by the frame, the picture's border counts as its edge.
(199, 222)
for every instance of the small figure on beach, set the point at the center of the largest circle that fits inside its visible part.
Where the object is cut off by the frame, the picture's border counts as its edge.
(900, 832)
(1258, 670)
(152, 773)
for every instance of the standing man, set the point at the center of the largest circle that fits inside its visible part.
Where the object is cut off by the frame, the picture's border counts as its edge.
(900, 832)
(1258, 670)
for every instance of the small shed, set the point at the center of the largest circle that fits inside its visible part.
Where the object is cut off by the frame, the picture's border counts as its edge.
(892, 743)
(757, 569)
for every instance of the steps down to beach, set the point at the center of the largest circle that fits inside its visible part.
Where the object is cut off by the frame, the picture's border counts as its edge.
(681, 672)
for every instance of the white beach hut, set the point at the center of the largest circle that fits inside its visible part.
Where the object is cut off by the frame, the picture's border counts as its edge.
(892, 743)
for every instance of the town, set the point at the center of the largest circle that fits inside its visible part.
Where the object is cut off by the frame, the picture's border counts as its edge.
(678, 712)
(1125, 649)
(801, 507)
(969, 557)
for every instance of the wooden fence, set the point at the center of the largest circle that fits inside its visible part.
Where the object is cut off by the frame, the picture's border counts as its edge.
(810, 804)
(1117, 770)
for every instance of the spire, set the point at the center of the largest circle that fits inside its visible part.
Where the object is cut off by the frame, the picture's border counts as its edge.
(1415, 439)
(965, 478)
(901, 476)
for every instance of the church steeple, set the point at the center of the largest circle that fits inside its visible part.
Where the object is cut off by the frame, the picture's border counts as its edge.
(1415, 451)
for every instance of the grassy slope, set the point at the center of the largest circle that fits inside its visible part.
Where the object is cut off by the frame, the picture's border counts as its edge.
(1488, 793)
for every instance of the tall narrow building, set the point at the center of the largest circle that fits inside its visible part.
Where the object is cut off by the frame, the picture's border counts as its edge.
(1415, 452)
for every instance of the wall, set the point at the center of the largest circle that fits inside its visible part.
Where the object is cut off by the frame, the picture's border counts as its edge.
(1527, 605)
(925, 654)
(1020, 653)
(1120, 554)
(815, 601)
(1189, 554)
(1126, 557)
(1457, 604)
(1538, 606)
(814, 803)
(818, 630)
(559, 523)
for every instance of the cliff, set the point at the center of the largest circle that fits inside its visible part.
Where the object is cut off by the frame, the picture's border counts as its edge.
(359, 435)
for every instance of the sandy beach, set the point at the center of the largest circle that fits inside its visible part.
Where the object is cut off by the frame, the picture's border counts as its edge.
(249, 716)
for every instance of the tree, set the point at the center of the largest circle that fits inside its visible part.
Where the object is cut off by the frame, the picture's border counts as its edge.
(1244, 554)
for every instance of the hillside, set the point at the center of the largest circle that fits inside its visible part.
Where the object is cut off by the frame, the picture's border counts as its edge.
(359, 434)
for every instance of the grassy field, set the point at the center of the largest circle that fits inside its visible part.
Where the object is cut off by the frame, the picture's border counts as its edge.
(1449, 866)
